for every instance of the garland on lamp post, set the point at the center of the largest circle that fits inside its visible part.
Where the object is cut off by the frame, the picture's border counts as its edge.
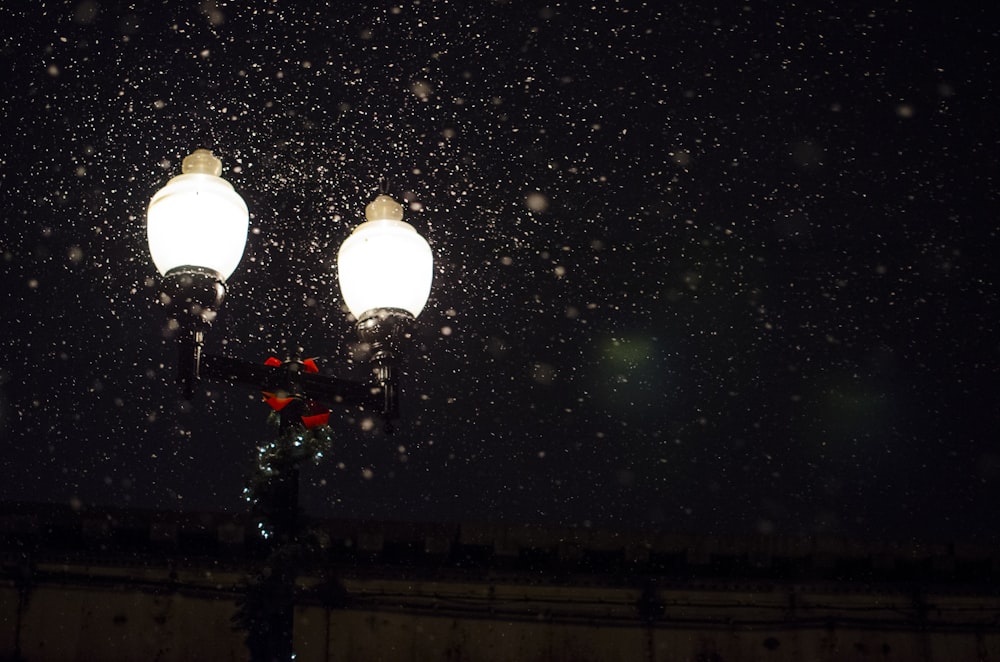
(266, 610)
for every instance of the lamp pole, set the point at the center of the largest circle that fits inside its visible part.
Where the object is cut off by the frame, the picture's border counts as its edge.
(197, 230)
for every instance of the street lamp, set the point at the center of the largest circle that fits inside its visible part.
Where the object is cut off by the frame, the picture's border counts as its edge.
(197, 229)
(385, 271)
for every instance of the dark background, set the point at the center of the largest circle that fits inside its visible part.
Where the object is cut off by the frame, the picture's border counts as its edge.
(701, 269)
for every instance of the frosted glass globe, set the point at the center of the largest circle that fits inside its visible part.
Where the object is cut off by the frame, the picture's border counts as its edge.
(198, 220)
(385, 263)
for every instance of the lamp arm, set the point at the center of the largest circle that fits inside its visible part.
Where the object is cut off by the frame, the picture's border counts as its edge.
(321, 388)
(335, 391)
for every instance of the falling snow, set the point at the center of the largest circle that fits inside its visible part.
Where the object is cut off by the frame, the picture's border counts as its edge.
(705, 268)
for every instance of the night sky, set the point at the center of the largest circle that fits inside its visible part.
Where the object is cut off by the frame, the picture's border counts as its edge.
(711, 269)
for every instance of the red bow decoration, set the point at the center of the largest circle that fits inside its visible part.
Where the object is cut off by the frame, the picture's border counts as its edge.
(308, 364)
(317, 414)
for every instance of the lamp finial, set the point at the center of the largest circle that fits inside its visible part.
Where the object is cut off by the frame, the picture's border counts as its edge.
(201, 161)
(384, 208)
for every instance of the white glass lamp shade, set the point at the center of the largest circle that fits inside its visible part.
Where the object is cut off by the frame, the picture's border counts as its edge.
(197, 219)
(385, 263)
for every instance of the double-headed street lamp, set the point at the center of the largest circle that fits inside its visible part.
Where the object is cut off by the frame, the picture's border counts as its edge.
(197, 229)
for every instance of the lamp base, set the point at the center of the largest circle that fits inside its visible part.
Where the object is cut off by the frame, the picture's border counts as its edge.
(193, 295)
(384, 330)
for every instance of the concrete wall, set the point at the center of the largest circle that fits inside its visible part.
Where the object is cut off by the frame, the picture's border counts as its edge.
(74, 623)
(93, 613)
(111, 614)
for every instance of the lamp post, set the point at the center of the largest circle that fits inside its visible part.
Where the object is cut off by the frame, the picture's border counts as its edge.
(197, 229)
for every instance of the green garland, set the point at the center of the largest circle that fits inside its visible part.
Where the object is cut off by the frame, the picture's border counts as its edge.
(280, 459)
(270, 596)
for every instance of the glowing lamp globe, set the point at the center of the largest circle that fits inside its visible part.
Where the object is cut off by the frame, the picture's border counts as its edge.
(385, 265)
(197, 222)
